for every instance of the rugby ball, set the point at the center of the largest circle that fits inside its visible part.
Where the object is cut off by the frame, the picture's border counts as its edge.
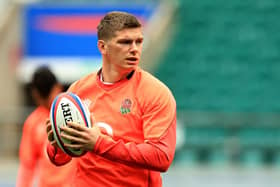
(68, 107)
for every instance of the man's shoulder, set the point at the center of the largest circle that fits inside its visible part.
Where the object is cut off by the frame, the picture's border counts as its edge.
(150, 86)
(152, 93)
(149, 81)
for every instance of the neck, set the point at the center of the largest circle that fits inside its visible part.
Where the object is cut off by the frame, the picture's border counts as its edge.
(111, 75)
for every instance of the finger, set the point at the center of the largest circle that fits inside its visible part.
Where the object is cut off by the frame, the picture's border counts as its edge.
(73, 139)
(48, 128)
(48, 125)
(76, 126)
(54, 143)
(50, 135)
(74, 145)
(69, 130)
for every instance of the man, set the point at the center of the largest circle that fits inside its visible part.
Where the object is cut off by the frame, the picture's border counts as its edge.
(35, 166)
(133, 115)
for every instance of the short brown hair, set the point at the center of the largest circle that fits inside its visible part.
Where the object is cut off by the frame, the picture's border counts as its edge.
(115, 21)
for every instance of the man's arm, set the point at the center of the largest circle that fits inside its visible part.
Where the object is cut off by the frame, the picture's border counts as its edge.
(156, 154)
(152, 154)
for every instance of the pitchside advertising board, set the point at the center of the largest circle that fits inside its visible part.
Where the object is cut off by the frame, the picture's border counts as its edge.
(65, 38)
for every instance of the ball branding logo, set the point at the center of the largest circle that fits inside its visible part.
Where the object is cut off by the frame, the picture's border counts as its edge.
(66, 112)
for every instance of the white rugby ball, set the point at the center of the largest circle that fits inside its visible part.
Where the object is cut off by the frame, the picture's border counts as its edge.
(68, 107)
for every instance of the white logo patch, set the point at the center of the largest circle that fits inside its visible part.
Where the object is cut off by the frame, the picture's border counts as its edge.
(106, 127)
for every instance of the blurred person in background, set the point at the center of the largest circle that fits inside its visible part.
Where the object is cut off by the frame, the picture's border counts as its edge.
(133, 114)
(35, 166)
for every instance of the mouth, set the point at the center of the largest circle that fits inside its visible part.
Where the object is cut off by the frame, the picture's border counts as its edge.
(132, 60)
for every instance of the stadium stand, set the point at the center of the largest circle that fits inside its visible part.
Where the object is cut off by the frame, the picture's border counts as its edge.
(223, 68)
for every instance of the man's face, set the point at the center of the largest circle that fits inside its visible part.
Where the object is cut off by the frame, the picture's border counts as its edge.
(124, 50)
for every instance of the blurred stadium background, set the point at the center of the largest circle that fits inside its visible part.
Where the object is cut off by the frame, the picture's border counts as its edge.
(220, 59)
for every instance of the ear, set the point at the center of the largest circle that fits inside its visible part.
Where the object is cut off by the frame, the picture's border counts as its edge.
(101, 46)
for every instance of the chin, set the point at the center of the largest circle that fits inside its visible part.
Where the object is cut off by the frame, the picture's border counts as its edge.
(133, 66)
(128, 69)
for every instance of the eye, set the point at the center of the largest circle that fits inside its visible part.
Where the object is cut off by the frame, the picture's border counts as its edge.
(125, 41)
(139, 41)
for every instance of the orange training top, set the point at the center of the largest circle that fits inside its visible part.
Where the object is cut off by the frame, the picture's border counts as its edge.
(139, 116)
(34, 162)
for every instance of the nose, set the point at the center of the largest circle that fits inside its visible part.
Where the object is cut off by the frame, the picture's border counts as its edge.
(134, 47)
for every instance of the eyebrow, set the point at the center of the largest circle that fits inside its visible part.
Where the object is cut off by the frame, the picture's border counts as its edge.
(129, 39)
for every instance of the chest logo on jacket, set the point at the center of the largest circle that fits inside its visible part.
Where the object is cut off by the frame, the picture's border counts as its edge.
(126, 106)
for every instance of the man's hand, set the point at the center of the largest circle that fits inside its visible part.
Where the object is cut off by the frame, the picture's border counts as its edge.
(84, 137)
(50, 133)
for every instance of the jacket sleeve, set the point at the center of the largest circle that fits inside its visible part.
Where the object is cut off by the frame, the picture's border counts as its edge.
(57, 156)
(152, 154)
